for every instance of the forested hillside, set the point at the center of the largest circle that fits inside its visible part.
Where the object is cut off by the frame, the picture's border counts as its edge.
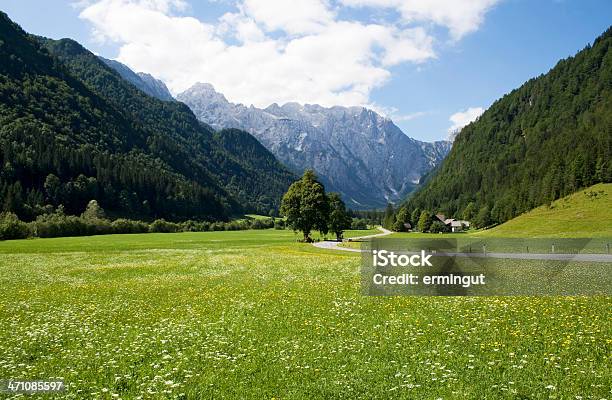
(72, 130)
(547, 139)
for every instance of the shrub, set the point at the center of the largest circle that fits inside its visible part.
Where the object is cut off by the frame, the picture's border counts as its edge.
(12, 228)
(122, 225)
(58, 224)
(265, 223)
(217, 226)
(189, 226)
(163, 226)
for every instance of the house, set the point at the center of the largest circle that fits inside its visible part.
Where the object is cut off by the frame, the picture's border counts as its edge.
(454, 225)
(441, 218)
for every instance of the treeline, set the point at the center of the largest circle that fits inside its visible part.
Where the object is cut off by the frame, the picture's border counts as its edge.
(367, 217)
(543, 141)
(94, 222)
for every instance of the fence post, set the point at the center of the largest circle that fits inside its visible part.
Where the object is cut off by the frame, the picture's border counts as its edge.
(484, 249)
(608, 248)
(552, 250)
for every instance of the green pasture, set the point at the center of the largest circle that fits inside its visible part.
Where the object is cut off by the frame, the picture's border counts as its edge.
(254, 314)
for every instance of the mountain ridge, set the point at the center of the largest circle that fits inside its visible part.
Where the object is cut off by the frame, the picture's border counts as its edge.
(354, 150)
(143, 81)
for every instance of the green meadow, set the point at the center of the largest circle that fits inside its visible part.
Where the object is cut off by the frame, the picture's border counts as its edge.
(586, 213)
(254, 314)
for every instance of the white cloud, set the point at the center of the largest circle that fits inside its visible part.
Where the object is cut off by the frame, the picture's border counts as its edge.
(263, 51)
(294, 17)
(461, 119)
(393, 113)
(459, 16)
(409, 117)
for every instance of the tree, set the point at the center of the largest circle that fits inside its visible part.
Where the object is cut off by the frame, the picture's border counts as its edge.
(339, 220)
(93, 211)
(414, 217)
(52, 187)
(438, 227)
(424, 221)
(483, 219)
(400, 220)
(389, 217)
(469, 211)
(306, 206)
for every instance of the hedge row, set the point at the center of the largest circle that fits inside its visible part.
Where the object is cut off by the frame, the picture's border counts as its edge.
(57, 225)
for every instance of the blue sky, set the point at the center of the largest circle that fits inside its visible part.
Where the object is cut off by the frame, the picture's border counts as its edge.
(421, 66)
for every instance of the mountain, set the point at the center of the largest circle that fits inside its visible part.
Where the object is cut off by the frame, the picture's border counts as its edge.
(145, 82)
(72, 129)
(544, 140)
(155, 87)
(355, 151)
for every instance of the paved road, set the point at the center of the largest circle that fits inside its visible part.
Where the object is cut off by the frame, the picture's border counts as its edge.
(332, 245)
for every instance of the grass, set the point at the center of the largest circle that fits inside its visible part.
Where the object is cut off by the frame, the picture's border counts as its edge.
(259, 216)
(586, 213)
(253, 314)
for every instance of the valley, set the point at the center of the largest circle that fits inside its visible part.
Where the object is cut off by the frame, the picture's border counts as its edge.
(158, 243)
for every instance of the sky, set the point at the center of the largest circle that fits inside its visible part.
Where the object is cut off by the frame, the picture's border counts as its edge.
(430, 65)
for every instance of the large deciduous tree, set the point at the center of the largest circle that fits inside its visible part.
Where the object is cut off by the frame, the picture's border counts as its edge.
(306, 206)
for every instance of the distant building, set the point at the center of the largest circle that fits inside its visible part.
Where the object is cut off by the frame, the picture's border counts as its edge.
(454, 225)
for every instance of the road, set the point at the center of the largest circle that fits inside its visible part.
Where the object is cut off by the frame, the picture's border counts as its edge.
(333, 245)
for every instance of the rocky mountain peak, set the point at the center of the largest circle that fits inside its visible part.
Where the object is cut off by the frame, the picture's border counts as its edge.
(354, 150)
(205, 92)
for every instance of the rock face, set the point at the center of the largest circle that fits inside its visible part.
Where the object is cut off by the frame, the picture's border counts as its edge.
(155, 87)
(145, 82)
(355, 151)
